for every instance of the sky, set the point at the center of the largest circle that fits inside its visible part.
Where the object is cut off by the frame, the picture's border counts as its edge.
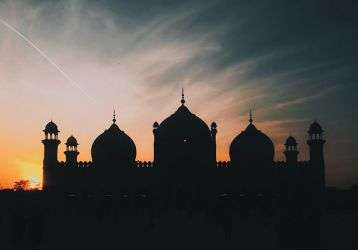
(291, 62)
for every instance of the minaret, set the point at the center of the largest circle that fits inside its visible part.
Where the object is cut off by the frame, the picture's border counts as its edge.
(316, 145)
(50, 162)
(71, 151)
(214, 131)
(291, 152)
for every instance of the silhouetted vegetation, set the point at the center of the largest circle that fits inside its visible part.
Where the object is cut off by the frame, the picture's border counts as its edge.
(21, 185)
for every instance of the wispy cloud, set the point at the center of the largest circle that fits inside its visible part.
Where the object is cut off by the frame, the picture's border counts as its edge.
(305, 99)
(228, 57)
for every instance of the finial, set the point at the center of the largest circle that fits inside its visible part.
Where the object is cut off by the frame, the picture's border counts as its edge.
(114, 116)
(182, 96)
(251, 120)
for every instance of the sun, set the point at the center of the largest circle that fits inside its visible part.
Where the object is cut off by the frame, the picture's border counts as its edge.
(29, 170)
(34, 182)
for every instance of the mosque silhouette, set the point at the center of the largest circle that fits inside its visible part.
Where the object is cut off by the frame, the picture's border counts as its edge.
(184, 165)
(184, 199)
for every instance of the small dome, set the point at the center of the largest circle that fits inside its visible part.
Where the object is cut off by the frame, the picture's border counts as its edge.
(291, 141)
(155, 125)
(214, 125)
(51, 128)
(251, 144)
(315, 128)
(71, 141)
(112, 148)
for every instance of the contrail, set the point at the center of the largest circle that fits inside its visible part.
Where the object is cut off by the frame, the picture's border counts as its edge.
(47, 58)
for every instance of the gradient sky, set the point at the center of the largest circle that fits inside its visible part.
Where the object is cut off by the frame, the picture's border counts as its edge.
(290, 61)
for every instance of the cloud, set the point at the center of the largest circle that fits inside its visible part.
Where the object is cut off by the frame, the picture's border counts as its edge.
(305, 99)
(136, 57)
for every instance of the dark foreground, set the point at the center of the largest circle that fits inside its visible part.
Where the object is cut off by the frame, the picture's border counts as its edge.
(38, 220)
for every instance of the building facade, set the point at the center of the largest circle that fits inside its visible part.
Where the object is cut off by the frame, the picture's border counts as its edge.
(184, 161)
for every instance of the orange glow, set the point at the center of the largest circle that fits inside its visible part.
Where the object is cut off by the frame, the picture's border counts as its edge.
(23, 160)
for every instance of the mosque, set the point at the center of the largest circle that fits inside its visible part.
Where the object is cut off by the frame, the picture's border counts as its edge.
(184, 161)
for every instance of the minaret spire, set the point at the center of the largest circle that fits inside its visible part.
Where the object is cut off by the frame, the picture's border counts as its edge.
(182, 96)
(251, 120)
(114, 116)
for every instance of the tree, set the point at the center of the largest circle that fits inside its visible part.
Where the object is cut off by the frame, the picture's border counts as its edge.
(21, 185)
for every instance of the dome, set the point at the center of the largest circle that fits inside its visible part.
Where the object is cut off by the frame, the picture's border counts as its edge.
(183, 122)
(252, 154)
(183, 144)
(291, 141)
(71, 141)
(113, 147)
(315, 128)
(155, 125)
(251, 145)
(214, 125)
(51, 128)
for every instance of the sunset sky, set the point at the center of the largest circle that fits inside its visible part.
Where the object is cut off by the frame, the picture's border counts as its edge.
(290, 61)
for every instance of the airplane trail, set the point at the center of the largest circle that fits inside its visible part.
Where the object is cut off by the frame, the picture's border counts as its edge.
(47, 58)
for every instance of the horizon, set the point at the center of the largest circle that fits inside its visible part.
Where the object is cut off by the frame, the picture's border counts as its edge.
(73, 62)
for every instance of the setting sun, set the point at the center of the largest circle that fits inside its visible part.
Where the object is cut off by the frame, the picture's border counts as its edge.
(30, 170)
(35, 183)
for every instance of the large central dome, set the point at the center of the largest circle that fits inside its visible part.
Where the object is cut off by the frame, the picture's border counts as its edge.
(183, 141)
(113, 148)
(183, 123)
